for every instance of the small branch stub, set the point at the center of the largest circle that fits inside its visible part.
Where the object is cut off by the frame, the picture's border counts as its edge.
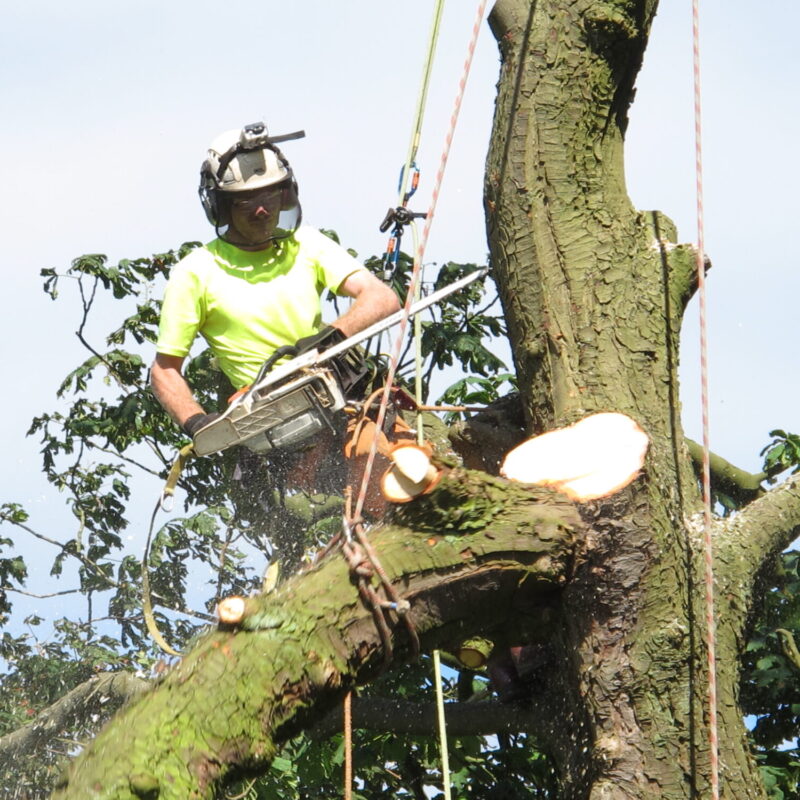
(595, 457)
(412, 472)
(474, 653)
(230, 610)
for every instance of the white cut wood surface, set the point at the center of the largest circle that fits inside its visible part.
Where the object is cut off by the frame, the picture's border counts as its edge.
(593, 458)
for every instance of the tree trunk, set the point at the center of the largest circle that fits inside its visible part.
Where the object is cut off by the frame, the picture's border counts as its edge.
(594, 292)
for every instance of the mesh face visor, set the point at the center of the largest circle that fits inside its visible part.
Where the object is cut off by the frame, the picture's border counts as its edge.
(258, 217)
(242, 162)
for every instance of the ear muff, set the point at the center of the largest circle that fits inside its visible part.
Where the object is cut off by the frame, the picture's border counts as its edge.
(208, 201)
(209, 194)
(291, 196)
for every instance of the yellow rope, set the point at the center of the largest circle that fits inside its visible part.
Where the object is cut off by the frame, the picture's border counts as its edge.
(147, 600)
(421, 101)
(437, 671)
(418, 345)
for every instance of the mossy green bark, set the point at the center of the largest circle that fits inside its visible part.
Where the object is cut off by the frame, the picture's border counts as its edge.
(221, 712)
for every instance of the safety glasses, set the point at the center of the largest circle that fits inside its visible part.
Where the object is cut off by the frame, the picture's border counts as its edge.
(268, 197)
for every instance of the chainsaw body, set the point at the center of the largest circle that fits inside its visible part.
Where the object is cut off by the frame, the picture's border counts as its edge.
(292, 404)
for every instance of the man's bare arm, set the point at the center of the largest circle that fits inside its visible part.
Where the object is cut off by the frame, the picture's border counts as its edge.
(171, 389)
(374, 301)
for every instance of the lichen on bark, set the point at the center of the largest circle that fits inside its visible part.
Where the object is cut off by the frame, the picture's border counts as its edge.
(223, 709)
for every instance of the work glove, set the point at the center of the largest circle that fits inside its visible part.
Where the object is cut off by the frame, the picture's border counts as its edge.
(197, 421)
(327, 337)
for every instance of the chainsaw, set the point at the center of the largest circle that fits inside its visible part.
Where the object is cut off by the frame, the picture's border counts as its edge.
(289, 403)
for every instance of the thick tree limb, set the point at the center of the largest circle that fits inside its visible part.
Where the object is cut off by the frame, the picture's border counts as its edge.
(463, 557)
(738, 483)
(765, 527)
(745, 551)
(114, 688)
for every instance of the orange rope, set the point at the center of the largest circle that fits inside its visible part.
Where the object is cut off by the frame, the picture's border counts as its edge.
(418, 256)
(348, 746)
(708, 545)
(352, 522)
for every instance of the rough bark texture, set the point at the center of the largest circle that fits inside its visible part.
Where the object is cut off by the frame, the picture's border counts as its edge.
(594, 292)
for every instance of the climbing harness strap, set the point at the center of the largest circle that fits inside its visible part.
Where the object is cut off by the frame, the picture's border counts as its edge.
(168, 493)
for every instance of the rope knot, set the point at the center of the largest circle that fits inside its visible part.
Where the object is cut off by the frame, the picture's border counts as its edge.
(358, 560)
(401, 606)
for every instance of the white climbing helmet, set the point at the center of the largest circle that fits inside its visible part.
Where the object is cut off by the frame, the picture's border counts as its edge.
(241, 160)
(244, 160)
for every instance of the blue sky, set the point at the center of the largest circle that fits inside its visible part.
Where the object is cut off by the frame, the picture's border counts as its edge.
(108, 109)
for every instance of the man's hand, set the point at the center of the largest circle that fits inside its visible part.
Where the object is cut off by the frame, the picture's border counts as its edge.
(197, 421)
(327, 337)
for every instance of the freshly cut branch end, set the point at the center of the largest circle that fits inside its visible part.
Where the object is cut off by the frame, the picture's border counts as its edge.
(474, 653)
(230, 610)
(595, 457)
(412, 473)
(413, 461)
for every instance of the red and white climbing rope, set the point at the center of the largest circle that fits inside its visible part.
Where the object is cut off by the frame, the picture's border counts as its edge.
(348, 746)
(352, 521)
(418, 257)
(708, 545)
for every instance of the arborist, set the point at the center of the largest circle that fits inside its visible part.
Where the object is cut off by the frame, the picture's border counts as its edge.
(257, 286)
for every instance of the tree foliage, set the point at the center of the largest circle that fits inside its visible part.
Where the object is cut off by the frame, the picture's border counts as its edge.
(113, 429)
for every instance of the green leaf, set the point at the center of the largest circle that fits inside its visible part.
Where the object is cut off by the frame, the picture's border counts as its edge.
(282, 764)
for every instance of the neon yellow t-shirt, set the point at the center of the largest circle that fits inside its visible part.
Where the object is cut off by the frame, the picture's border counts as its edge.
(245, 304)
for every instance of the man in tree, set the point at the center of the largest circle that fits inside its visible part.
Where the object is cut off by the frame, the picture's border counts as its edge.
(257, 287)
